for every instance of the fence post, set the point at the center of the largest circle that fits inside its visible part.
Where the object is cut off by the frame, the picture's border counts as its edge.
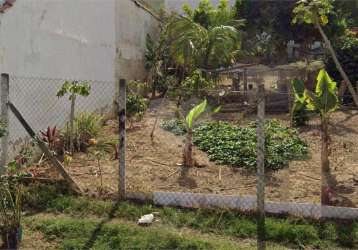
(260, 131)
(122, 139)
(4, 119)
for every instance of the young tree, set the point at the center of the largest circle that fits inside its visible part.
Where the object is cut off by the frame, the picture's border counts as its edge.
(316, 12)
(73, 89)
(324, 100)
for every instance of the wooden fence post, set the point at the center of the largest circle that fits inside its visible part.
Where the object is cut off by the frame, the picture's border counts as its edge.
(260, 131)
(5, 119)
(122, 139)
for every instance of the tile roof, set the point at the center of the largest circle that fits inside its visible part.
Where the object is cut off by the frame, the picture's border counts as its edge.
(6, 4)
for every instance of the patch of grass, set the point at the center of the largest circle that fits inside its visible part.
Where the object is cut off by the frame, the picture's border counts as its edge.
(85, 234)
(226, 223)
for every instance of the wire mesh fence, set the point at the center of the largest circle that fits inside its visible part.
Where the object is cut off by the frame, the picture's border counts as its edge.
(224, 173)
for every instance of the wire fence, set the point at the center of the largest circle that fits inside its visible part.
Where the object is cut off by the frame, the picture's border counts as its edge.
(155, 145)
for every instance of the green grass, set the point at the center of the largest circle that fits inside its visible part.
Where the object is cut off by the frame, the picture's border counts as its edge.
(87, 234)
(290, 231)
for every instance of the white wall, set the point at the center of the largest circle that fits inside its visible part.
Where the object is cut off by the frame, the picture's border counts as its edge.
(132, 26)
(176, 5)
(59, 39)
(43, 40)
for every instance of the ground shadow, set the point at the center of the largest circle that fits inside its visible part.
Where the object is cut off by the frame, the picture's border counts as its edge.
(90, 243)
(185, 181)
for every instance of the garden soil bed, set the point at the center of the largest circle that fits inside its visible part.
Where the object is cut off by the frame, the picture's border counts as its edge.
(156, 165)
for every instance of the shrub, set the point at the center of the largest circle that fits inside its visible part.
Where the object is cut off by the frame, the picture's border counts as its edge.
(136, 105)
(87, 126)
(236, 146)
(194, 83)
(175, 126)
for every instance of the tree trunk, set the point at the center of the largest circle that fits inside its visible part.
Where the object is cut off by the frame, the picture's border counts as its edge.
(338, 65)
(72, 118)
(325, 168)
(188, 149)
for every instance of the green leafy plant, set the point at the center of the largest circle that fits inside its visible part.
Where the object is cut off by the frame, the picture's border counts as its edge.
(206, 37)
(190, 120)
(317, 12)
(99, 150)
(193, 84)
(176, 126)
(11, 192)
(73, 89)
(86, 126)
(236, 146)
(299, 114)
(324, 100)
(136, 105)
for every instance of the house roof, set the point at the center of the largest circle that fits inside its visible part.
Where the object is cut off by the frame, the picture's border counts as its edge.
(5, 4)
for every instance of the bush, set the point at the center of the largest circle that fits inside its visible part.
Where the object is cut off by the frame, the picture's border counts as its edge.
(194, 83)
(136, 105)
(175, 126)
(236, 146)
(86, 127)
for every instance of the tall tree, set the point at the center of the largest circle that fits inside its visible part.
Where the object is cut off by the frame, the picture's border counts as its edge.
(316, 12)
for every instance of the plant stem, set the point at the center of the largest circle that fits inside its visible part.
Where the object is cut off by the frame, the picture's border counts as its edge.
(72, 118)
(338, 65)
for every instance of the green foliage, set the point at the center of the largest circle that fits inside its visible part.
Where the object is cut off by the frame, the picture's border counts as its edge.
(236, 146)
(295, 232)
(76, 234)
(347, 53)
(325, 99)
(88, 125)
(74, 88)
(312, 11)
(175, 126)
(136, 105)
(194, 114)
(206, 37)
(137, 87)
(299, 109)
(196, 82)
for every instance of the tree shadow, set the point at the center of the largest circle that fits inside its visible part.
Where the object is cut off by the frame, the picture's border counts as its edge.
(184, 180)
(90, 242)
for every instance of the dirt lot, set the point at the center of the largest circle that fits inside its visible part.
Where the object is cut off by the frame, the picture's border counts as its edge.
(155, 166)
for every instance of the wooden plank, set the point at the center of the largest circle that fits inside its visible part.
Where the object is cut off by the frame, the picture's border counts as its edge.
(45, 150)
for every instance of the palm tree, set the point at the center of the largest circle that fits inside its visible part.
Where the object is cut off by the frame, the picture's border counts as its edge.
(205, 38)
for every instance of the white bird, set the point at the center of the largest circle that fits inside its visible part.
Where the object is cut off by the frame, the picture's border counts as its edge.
(146, 219)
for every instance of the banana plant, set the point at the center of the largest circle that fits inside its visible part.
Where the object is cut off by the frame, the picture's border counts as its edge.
(190, 120)
(324, 100)
(298, 111)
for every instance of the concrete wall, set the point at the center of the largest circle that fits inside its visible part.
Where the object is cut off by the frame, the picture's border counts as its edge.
(45, 41)
(176, 5)
(132, 26)
(59, 39)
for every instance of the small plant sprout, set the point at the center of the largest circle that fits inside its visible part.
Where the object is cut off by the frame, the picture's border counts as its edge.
(99, 149)
(190, 120)
(73, 89)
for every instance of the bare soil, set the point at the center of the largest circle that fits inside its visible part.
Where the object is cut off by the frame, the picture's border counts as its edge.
(156, 165)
